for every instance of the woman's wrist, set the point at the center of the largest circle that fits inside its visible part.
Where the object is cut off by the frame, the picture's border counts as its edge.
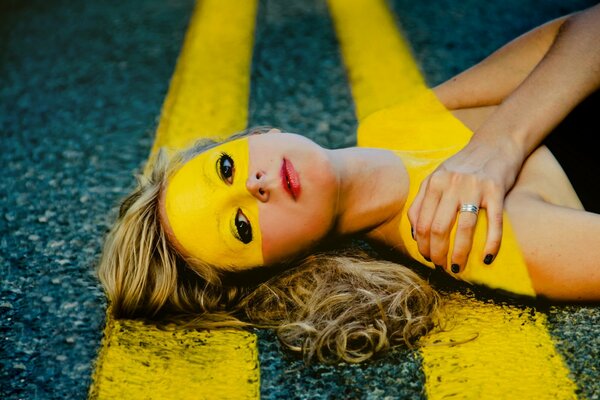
(511, 130)
(502, 149)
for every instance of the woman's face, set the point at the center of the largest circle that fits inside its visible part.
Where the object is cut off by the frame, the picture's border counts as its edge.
(252, 201)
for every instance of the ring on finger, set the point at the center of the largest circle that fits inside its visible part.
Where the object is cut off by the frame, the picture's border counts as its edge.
(469, 207)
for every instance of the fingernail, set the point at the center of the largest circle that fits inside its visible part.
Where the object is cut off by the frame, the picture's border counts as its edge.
(427, 259)
(488, 259)
(455, 268)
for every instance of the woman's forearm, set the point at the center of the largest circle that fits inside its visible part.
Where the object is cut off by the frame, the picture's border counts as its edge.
(490, 81)
(566, 75)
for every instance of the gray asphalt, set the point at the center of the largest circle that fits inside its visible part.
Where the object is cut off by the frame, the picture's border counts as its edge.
(81, 86)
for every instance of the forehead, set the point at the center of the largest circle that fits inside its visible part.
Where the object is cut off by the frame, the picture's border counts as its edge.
(200, 208)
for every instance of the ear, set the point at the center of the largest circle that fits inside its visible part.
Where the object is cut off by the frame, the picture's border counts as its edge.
(274, 130)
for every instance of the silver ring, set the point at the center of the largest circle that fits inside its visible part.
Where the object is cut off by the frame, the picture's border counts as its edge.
(471, 208)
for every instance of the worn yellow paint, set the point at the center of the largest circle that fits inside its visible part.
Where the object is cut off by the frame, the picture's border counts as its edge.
(378, 78)
(209, 91)
(141, 362)
(505, 352)
(500, 351)
(208, 96)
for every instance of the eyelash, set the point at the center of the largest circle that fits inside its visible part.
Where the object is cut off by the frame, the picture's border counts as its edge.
(225, 171)
(243, 229)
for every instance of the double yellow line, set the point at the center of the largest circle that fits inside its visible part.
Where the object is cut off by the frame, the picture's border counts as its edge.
(513, 355)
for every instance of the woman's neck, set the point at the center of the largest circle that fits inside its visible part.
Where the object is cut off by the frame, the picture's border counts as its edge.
(373, 187)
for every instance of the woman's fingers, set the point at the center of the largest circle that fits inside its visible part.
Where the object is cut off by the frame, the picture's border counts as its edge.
(493, 202)
(479, 174)
(415, 207)
(427, 212)
(437, 209)
(441, 227)
(494, 209)
(463, 239)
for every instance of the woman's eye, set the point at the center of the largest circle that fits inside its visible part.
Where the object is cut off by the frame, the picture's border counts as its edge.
(225, 168)
(243, 228)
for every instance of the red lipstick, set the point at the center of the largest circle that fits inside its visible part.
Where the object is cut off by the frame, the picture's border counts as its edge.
(290, 179)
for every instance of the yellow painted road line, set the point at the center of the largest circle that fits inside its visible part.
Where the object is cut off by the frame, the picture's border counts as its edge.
(208, 96)
(512, 355)
(210, 89)
(141, 362)
(379, 64)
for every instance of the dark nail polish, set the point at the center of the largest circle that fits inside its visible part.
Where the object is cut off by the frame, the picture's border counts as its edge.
(488, 259)
(412, 232)
(455, 268)
(427, 259)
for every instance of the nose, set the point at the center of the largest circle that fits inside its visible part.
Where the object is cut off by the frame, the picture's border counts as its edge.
(257, 186)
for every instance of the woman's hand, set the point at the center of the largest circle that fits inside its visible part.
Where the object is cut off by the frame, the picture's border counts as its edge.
(480, 174)
(537, 80)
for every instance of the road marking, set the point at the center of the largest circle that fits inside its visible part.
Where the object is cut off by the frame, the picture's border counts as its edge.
(511, 357)
(511, 354)
(373, 51)
(210, 89)
(141, 362)
(208, 96)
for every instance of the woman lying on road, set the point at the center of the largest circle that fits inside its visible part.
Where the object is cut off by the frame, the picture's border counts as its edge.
(247, 232)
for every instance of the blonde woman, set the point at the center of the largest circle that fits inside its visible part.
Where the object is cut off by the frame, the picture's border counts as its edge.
(257, 231)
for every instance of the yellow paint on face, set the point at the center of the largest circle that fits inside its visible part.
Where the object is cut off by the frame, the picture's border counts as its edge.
(202, 208)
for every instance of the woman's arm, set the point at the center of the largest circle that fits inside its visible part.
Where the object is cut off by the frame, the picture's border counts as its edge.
(490, 81)
(485, 170)
(560, 246)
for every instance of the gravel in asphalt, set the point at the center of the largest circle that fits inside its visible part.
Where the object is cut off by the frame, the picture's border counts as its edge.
(81, 87)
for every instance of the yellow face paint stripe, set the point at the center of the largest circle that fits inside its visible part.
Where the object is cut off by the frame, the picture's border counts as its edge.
(192, 202)
(208, 95)
(511, 349)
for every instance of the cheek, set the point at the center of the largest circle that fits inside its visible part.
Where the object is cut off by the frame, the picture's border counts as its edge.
(285, 233)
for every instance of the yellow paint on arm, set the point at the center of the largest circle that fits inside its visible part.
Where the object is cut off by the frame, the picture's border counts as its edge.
(208, 96)
(511, 354)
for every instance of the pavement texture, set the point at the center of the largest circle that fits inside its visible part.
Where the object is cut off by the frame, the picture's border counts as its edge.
(81, 88)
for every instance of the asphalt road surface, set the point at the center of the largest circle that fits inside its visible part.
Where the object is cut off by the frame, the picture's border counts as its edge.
(81, 89)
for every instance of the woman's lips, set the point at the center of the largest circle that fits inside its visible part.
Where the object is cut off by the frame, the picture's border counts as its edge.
(290, 179)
